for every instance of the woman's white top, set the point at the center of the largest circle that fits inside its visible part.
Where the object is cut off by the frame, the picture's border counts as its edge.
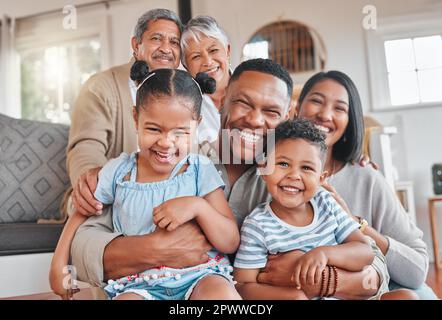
(210, 124)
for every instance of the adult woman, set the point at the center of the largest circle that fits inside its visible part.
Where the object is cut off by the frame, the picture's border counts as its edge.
(205, 48)
(332, 102)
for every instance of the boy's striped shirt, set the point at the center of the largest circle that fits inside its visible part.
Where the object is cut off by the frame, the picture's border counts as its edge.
(263, 233)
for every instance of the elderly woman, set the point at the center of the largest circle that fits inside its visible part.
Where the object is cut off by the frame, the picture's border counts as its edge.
(205, 48)
(332, 102)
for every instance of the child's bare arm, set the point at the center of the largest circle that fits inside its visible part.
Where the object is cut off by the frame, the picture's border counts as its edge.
(212, 214)
(61, 254)
(353, 254)
(250, 289)
(218, 223)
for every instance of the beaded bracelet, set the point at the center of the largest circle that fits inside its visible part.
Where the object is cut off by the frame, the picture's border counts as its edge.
(335, 271)
(329, 281)
(322, 284)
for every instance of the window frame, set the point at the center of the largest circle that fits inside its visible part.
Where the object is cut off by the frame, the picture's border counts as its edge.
(320, 54)
(395, 28)
(91, 23)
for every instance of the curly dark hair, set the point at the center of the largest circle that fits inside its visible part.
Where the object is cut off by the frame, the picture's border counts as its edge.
(302, 129)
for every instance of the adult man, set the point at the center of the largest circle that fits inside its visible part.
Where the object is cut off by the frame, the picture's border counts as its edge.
(257, 99)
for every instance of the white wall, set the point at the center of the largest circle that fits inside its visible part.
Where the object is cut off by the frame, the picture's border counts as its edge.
(417, 145)
(21, 8)
(340, 29)
(123, 16)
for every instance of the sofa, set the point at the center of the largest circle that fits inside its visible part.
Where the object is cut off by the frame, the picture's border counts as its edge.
(33, 181)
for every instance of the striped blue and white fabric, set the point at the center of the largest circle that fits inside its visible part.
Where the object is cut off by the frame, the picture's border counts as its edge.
(263, 233)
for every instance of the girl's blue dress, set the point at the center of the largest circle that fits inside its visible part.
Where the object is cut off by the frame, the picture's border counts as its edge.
(132, 207)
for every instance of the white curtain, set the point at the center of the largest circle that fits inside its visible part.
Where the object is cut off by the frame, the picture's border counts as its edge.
(9, 70)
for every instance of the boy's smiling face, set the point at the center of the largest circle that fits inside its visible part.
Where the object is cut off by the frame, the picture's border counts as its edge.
(297, 172)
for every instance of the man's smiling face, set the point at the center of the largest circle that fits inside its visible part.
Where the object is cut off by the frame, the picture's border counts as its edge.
(254, 103)
(160, 45)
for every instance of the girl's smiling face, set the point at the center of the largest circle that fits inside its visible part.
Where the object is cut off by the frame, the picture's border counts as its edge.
(327, 105)
(165, 127)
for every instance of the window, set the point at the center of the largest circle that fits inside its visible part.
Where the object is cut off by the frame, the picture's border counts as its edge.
(51, 78)
(414, 68)
(293, 45)
(405, 62)
(55, 62)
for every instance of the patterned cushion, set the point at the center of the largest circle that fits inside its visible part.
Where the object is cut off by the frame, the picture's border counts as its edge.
(33, 174)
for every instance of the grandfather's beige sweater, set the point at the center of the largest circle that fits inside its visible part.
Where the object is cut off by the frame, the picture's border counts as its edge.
(102, 124)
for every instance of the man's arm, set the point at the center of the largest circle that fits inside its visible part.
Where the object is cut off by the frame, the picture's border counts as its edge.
(88, 247)
(184, 247)
(90, 134)
(352, 285)
(250, 289)
(100, 254)
(352, 255)
(91, 127)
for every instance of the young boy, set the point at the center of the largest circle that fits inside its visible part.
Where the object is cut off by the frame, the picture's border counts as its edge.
(300, 216)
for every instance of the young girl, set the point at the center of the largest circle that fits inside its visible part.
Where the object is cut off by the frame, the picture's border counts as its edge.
(163, 185)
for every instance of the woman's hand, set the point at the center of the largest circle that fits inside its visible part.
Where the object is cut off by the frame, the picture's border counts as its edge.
(364, 160)
(174, 212)
(308, 269)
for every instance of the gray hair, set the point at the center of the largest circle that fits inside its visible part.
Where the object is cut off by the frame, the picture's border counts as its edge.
(202, 25)
(154, 15)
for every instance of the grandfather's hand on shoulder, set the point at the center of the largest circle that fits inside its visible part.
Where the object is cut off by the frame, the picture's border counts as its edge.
(83, 193)
(183, 247)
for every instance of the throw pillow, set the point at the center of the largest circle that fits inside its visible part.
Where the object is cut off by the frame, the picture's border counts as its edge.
(33, 174)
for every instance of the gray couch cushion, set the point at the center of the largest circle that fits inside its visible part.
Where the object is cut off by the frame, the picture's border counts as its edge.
(33, 174)
(21, 238)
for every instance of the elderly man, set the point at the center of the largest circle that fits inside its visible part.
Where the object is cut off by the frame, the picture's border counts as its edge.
(257, 99)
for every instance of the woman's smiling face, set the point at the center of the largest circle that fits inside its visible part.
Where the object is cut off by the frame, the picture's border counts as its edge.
(208, 55)
(327, 105)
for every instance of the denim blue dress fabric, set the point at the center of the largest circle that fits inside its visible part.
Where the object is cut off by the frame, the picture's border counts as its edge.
(132, 207)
